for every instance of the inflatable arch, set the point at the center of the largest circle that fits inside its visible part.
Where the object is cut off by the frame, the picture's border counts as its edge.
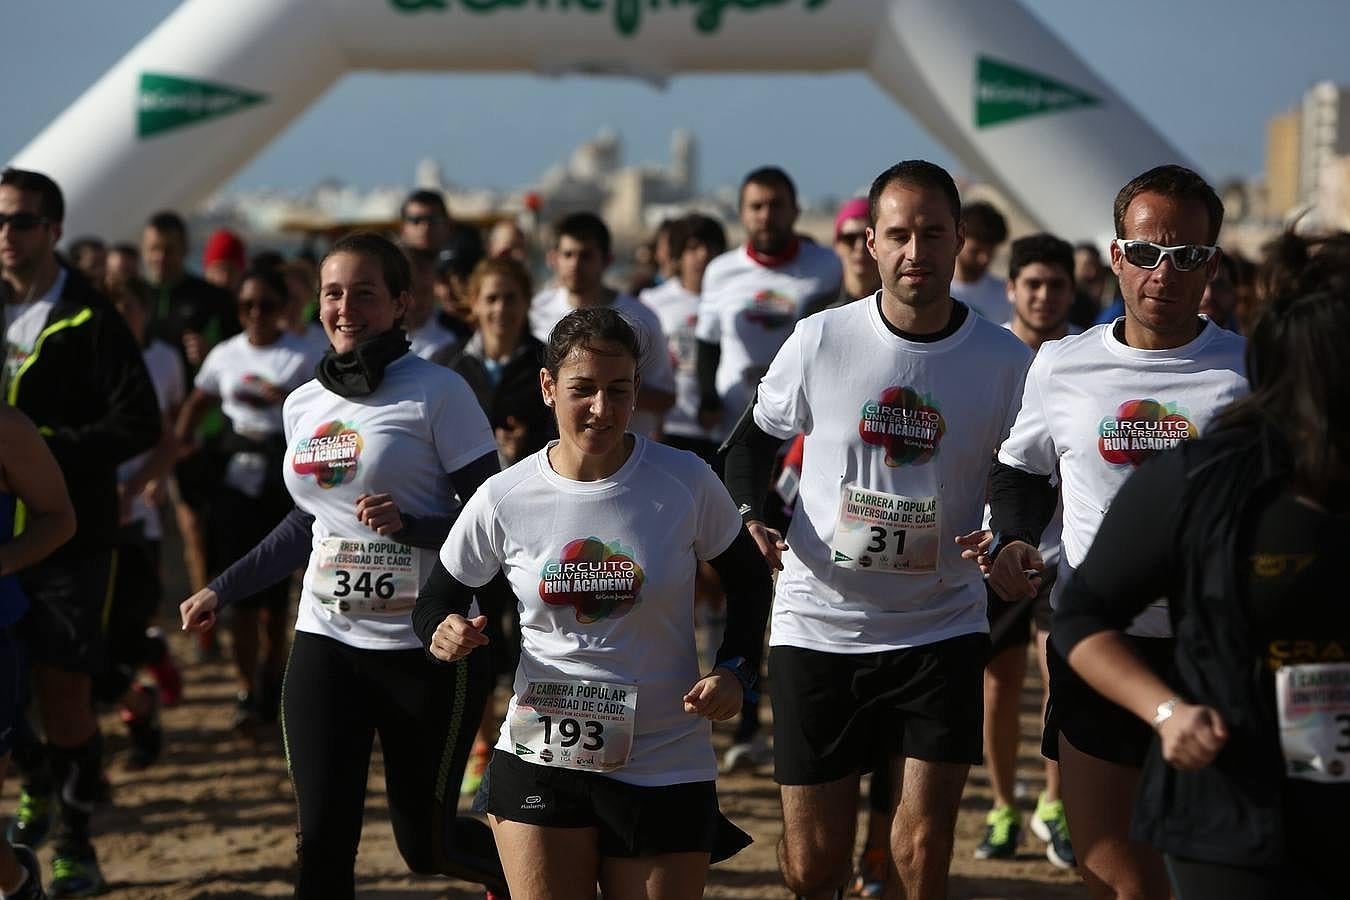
(207, 89)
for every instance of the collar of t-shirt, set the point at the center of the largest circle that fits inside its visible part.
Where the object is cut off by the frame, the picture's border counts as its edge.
(14, 310)
(1120, 347)
(954, 322)
(774, 260)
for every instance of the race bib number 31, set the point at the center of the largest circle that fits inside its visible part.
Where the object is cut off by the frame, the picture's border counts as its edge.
(1314, 705)
(366, 577)
(888, 533)
(585, 725)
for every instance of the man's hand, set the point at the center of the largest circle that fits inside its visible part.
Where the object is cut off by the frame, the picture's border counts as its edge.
(1008, 575)
(457, 637)
(379, 513)
(199, 611)
(510, 439)
(1192, 736)
(716, 696)
(195, 348)
(975, 546)
(769, 541)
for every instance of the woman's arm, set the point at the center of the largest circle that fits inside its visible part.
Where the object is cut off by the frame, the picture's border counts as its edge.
(198, 404)
(33, 477)
(439, 620)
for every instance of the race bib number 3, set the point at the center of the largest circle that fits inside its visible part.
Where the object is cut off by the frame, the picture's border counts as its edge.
(887, 533)
(585, 725)
(367, 577)
(1314, 705)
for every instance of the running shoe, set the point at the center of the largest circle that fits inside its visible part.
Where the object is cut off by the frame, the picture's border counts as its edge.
(1002, 835)
(164, 670)
(145, 731)
(75, 873)
(1050, 825)
(32, 820)
(872, 866)
(477, 765)
(32, 887)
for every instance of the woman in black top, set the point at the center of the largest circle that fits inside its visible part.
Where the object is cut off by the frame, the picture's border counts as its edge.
(1246, 788)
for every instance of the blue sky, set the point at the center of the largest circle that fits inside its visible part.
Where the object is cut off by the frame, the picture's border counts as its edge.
(1207, 73)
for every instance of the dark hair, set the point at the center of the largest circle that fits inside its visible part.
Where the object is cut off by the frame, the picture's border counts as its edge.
(1178, 183)
(917, 173)
(984, 222)
(770, 177)
(50, 202)
(1296, 264)
(462, 253)
(585, 227)
(1040, 248)
(88, 242)
(585, 327)
(271, 278)
(425, 198)
(1089, 247)
(505, 267)
(671, 228)
(127, 249)
(701, 229)
(138, 289)
(267, 259)
(167, 221)
(393, 264)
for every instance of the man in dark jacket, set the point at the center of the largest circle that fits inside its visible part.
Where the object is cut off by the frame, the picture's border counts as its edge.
(73, 367)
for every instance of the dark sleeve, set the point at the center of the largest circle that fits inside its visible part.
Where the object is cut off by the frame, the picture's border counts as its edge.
(750, 456)
(707, 356)
(1021, 504)
(131, 421)
(441, 595)
(749, 589)
(1134, 559)
(285, 549)
(429, 532)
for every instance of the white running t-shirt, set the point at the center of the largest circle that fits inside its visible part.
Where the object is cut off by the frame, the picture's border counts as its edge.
(1096, 408)
(677, 309)
(239, 373)
(25, 322)
(988, 297)
(404, 439)
(167, 375)
(900, 437)
(749, 309)
(428, 340)
(603, 573)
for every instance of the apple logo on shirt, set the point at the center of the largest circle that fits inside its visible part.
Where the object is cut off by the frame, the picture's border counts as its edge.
(599, 580)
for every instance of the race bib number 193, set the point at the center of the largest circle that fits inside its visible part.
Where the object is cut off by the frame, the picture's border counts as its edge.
(888, 533)
(1314, 706)
(366, 577)
(585, 725)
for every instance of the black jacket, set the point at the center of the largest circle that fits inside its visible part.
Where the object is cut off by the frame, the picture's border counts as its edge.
(1173, 530)
(86, 387)
(516, 394)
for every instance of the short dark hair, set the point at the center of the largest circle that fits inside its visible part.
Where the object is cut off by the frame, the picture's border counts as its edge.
(771, 177)
(125, 248)
(1040, 248)
(433, 199)
(135, 288)
(393, 264)
(462, 253)
(583, 328)
(984, 222)
(87, 242)
(266, 259)
(51, 204)
(1176, 182)
(583, 227)
(704, 230)
(1089, 247)
(918, 173)
(166, 221)
(271, 277)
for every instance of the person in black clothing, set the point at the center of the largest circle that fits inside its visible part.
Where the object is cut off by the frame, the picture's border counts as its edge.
(1244, 787)
(74, 368)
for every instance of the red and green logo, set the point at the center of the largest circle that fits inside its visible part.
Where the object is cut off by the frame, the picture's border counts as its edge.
(908, 425)
(599, 580)
(771, 310)
(1141, 428)
(331, 456)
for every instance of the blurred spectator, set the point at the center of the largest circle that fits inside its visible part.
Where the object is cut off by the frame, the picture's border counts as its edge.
(426, 222)
(224, 260)
(425, 332)
(507, 239)
(973, 284)
(90, 256)
(124, 261)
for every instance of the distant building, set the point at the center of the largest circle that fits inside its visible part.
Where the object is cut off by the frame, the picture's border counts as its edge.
(1325, 134)
(1282, 163)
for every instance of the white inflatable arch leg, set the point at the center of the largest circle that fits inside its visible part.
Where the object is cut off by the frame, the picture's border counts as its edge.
(218, 79)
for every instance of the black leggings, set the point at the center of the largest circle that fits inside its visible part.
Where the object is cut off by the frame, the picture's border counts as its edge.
(334, 700)
(1192, 880)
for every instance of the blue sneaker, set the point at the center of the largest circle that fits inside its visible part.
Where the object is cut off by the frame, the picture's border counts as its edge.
(75, 873)
(1050, 825)
(1002, 834)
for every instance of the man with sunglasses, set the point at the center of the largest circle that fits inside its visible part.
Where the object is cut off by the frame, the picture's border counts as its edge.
(73, 367)
(426, 224)
(1096, 406)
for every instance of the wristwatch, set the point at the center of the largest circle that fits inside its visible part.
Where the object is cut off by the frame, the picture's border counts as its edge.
(1164, 711)
(745, 674)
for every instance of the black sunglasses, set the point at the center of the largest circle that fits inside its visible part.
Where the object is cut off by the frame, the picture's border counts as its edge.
(22, 221)
(423, 220)
(851, 237)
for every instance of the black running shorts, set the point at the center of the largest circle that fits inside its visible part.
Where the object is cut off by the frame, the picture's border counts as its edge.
(69, 604)
(1010, 624)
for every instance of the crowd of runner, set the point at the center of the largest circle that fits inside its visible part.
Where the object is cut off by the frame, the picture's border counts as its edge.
(864, 482)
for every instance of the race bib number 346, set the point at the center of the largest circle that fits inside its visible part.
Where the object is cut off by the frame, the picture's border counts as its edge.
(1314, 705)
(585, 725)
(366, 577)
(888, 533)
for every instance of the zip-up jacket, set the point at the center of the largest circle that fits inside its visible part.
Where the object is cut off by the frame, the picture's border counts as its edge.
(516, 395)
(86, 387)
(1194, 501)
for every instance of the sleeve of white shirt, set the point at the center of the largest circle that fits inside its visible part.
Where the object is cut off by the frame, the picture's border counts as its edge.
(781, 408)
(1030, 445)
(472, 552)
(718, 519)
(657, 373)
(709, 326)
(208, 376)
(459, 428)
